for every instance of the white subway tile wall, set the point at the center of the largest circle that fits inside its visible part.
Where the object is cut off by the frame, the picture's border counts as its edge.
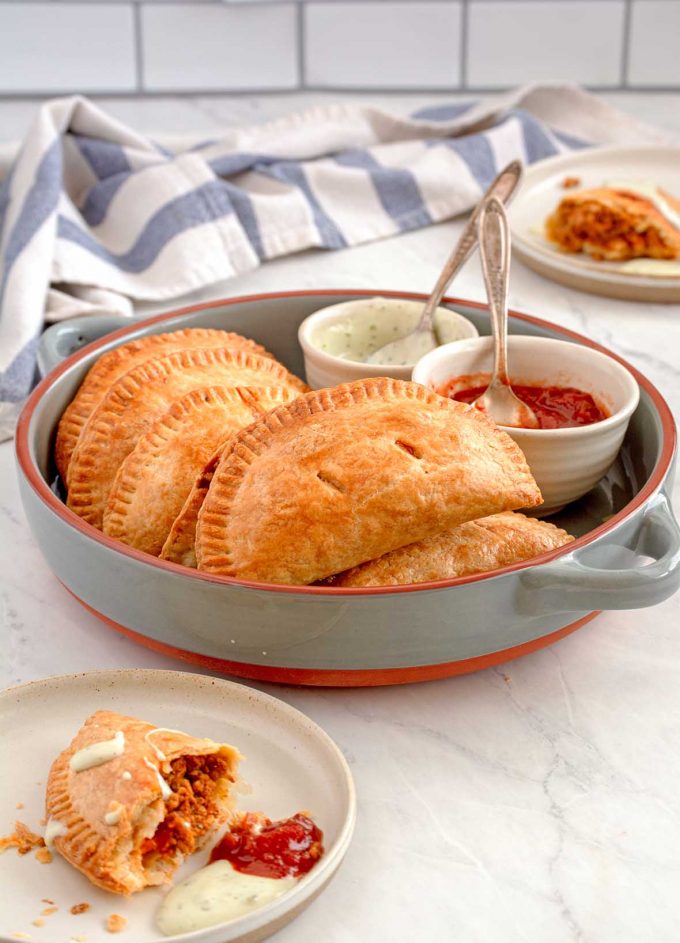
(383, 45)
(194, 47)
(163, 46)
(655, 43)
(515, 41)
(63, 47)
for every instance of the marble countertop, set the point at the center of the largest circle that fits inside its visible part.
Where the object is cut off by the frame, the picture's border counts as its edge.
(534, 802)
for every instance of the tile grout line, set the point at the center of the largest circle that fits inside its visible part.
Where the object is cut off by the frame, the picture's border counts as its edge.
(627, 38)
(464, 40)
(138, 44)
(301, 47)
(211, 92)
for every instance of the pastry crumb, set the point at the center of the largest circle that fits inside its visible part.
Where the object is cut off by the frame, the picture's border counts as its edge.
(19, 805)
(46, 900)
(80, 908)
(78, 939)
(22, 838)
(21, 936)
(38, 923)
(43, 855)
(48, 910)
(115, 923)
(570, 182)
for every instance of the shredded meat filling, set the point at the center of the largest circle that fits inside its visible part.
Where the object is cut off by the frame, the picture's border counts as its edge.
(192, 809)
(605, 233)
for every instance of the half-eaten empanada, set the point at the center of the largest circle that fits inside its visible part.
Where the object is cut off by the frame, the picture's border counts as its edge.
(615, 224)
(343, 475)
(474, 547)
(127, 801)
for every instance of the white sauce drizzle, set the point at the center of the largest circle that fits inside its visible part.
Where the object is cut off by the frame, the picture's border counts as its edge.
(159, 753)
(166, 791)
(113, 817)
(53, 829)
(214, 894)
(126, 775)
(97, 753)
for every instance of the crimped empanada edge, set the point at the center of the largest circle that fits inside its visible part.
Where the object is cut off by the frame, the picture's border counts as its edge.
(97, 381)
(97, 433)
(248, 444)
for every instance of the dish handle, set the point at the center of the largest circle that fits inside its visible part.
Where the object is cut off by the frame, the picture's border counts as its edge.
(67, 337)
(573, 585)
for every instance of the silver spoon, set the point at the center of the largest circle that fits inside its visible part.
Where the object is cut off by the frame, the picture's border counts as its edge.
(494, 245)
(423, 339)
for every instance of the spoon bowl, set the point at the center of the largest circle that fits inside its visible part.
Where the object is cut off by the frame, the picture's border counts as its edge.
(423, 339)
(499, 400)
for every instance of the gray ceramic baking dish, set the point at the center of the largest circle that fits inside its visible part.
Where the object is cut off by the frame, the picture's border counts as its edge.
(319, 635)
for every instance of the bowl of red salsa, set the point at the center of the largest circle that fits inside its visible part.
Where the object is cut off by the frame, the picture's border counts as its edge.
(583, 400)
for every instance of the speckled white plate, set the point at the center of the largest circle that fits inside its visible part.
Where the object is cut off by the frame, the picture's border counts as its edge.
(542, 190)
(290, 763)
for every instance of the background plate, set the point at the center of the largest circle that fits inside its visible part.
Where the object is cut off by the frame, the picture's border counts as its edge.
(290, 763)
(541, 192)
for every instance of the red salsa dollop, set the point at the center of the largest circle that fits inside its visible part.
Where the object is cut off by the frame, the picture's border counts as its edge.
(556, 407)
(256, 845)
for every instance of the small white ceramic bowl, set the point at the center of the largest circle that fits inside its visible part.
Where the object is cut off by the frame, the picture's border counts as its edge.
(566, 463)
(326, 369)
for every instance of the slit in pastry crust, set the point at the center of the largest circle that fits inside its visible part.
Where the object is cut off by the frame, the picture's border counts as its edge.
(114, 364)
(474, 547)
(143, 395)
(154, 480)
(270, 514)
(129, 822)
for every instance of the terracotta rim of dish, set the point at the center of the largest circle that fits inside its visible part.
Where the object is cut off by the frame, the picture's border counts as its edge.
(341, 677)
(45, 493)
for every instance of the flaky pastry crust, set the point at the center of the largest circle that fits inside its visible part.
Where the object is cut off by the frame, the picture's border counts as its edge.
(143, 395)
(344, 475)
(116, 827)
(180, 546)
(114, 364)
(474, 547)
(154, 480)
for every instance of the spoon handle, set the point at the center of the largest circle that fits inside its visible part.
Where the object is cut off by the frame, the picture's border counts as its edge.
(502, 187)
(494, 243)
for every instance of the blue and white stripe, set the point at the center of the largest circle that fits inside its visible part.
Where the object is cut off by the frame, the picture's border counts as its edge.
(91, 204)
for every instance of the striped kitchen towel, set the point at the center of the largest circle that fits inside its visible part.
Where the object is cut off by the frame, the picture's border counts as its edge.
(94, 216)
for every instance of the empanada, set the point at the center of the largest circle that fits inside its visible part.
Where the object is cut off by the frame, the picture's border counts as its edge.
(180, 546)
(139, 398)
(474, 547)
(343, 475)
(156, 477)
(113, 365)
(127, 801)
(615, 224)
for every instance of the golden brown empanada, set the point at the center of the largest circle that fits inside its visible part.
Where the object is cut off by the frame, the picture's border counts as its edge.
(113, 365)
(156, 477)
(474, 547)
(139, 398)
(153, 797)
(180, 546)
(614, 224)
(344, 475)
